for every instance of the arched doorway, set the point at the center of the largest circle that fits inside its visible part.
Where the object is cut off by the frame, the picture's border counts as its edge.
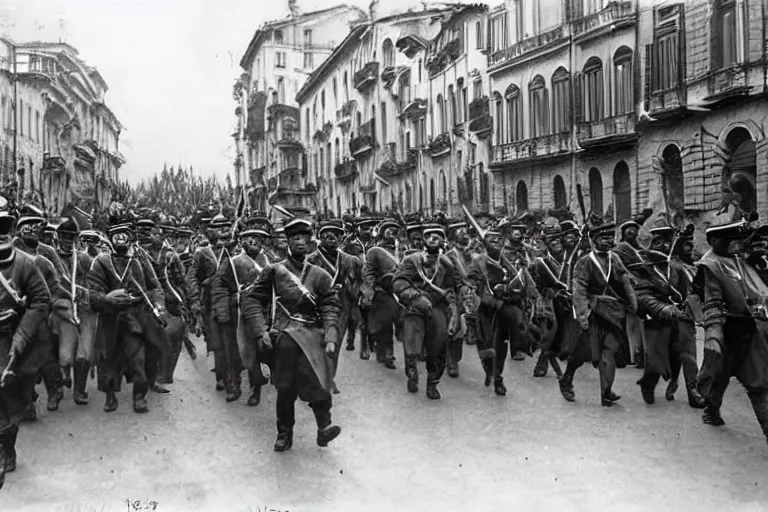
(674, 191)
(521, 196)
(595, 191)
(561, 198)
(622, 192)
(741, 170)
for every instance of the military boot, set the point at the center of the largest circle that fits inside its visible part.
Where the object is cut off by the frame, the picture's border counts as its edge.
(221, 378)
(566, 387)
(140, 399)
(498, 386)
(79, 394)
(759, 401)
(432, 391)
(110, 405)
(326, 432)
(648, 392)
(284, 439)
(55, 396)
(10, 448)
(712, 417)
(3, 457)
(412, 372)
(695, 400)
(669, 394)
(233, 387)
(542, 365)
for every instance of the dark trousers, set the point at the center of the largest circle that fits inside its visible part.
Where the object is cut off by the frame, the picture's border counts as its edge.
(601, 335)
(124, 357)
(227, 357)
(430, 334)
(508, 327)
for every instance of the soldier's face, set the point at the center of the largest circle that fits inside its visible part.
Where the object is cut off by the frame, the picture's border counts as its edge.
(493, 243)
(252, 244)
(281, 242)
(603, 242)
(569, 241)
(434, 242)
(516, 236)
(30, 232)
(555, 245)
(120, 241)
(462, 239)
(661, 244)
(299, 243)
(365, 233)
(330, 240)
(389, 233)
(630, 233)
(66, 243)
(687, 250)
(416, 240)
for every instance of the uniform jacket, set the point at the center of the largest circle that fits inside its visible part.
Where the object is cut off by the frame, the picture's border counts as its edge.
(346, 271)
(227, 286)
(200, 278)
(380, 264)
(434, 276)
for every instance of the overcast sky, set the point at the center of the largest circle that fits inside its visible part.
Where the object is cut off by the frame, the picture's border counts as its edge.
(169, 64)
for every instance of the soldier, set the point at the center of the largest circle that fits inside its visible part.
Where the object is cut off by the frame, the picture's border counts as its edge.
(303, 333)
(279, 244)
(205, 263)
(427, 285)
(233, 277)
(602, 293)
(381, 262)
(347, 273)
(733, 300)
(414, 234)
(461, 258)
(357, 244)
(518, 254)
(24, 305)
(124, 299)
(77, 351)
(547, 272)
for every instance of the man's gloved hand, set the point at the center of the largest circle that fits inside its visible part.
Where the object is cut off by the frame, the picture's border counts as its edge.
(670, 312)
(409, 295)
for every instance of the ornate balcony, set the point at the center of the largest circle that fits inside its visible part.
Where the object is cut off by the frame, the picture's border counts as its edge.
(538, 148)
(728, 83)
(366, 77)
(290, 144)
(391, 166)
(256, 110)
(666, 100)
(480, 121)
(525, 47)
(440, 60)
(440, 145)
(323, 133)
(344, 115)
(415, 109)
(615, 15)
(345, 170)
(364, 142)
(278, 110)
(609, 131)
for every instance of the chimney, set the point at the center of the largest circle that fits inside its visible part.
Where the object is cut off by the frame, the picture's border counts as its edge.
(293, 8)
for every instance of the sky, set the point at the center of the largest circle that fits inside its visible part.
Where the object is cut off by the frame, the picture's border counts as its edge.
(169, 64)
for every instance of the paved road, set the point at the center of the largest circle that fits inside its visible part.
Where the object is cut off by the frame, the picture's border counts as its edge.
(471, 451)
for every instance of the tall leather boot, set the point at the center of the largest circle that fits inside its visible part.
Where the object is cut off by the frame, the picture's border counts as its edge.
(10, 448)
(432, 381)
(284, 439)
(365, 349)
(233, 387)
(759, 401)
(695, 400)
(3, 456)
(412, 372)
(487, 365)
(139, 398)
(80, 370)
(542, 365)
(221, 378)
(285, 406)
(256, 380)
(53, 379)
(326, 432)
(110, 404)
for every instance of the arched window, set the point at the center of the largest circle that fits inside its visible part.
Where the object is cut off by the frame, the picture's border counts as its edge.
(521, 196)
(622, 192)
(388, 53)
(741, 170)
(440, 120)
(561, 196)
(498, 115)
(593, 90)
(539, 101)
(514, 114)
(595, 191)
(561, 100)
(673, 178)
(623, 92)
(281, 90)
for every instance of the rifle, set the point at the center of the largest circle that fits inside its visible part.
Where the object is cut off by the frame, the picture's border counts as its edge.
(75, 316)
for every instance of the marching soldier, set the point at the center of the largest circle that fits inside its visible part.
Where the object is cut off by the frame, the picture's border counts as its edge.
(279, 244)
(427, 285)
(735, 345)
(357, 244)
(24, 306)
(602, 294)
(124, 299)
(381, 262)
(234, 278)
(347, 274)
(461, 258)
(303, 333)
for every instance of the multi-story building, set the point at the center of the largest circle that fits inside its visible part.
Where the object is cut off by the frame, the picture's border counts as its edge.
(277, 62)
(705, 118)
(563, 99)
(59, 137)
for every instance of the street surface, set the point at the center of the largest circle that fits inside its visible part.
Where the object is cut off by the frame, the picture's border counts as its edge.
(529, 451)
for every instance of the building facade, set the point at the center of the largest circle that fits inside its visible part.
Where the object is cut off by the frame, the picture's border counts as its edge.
(277, 62)
(59, 138)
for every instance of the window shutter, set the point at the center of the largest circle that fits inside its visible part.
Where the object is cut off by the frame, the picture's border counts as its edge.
(681, 51)
(649, 78)
(578, 99)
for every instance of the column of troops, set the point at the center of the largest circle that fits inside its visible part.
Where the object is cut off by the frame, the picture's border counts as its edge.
(280, 302)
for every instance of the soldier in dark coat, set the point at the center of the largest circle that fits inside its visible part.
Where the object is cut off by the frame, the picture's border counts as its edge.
(602, 295)
(377, 296)
(461, 258)
(234, 277)
(304, 333)
(126, 301)
(357, 244)
(347, 274)
(427, 285)
(735, 326)
(24, 305)
(76, 351)
(205, 262)
(504, 288)
(279, 244)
